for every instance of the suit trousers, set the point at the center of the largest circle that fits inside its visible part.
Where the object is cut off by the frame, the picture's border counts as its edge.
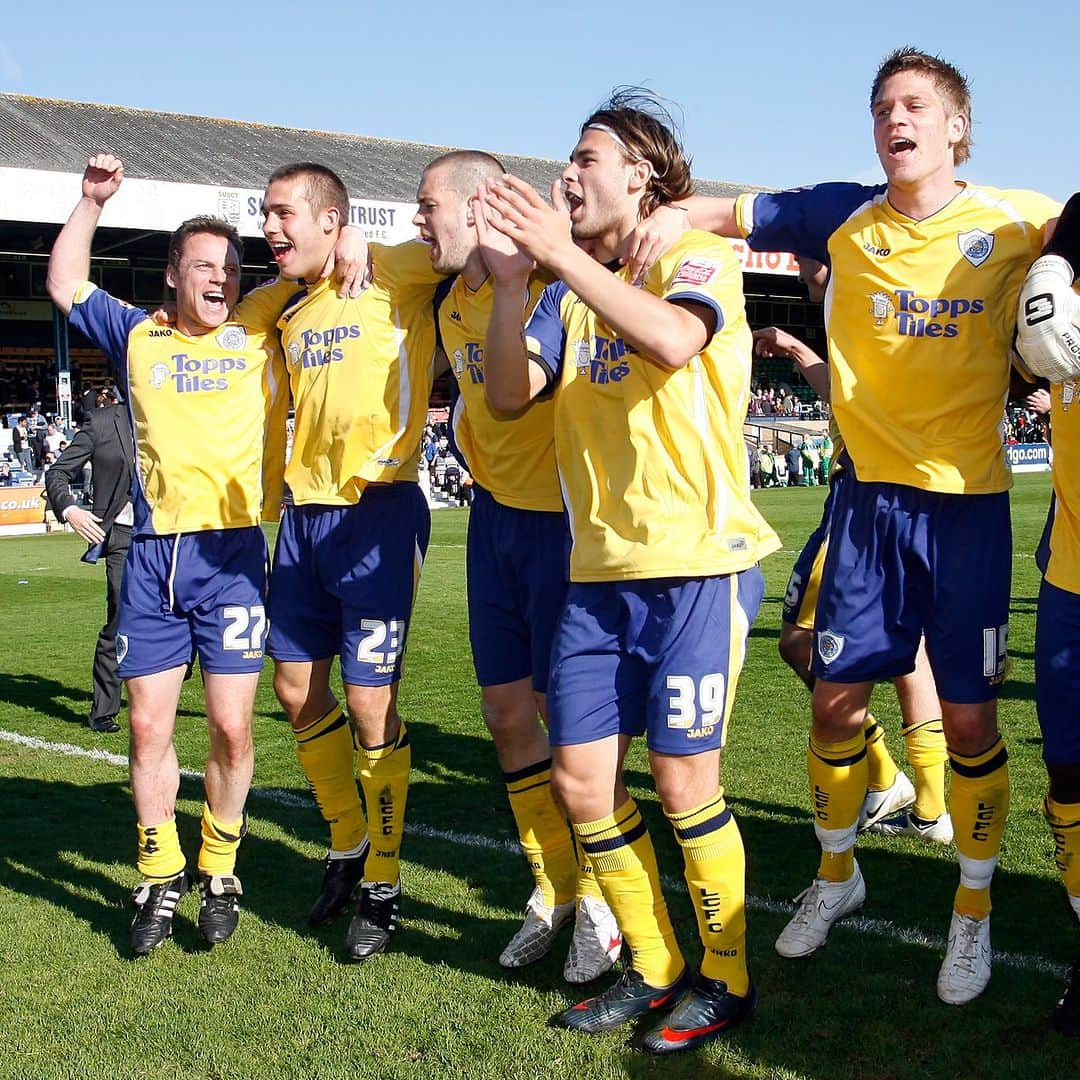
(106, 680)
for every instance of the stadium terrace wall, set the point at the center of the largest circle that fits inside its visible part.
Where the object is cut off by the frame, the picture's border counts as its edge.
(43, 145)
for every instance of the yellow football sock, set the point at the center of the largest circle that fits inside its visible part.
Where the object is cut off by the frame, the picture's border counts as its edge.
(1064, 822)
(624, 862)
(980, 804)
(926, 753)
(543, 832)
(715, 871)
(384, 776)
(837, 788)
(881, 770)
(217, 855)
(160, 857)
(586, 884)
(325, 751)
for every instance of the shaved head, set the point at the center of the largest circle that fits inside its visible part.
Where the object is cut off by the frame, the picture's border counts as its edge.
(463, 170)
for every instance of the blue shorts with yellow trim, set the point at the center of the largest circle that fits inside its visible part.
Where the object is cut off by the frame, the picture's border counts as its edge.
(517, 563)
(903, 562)
(1057, 674)
(193, 594)
(660, 657)
(800, 597)
(343, 582)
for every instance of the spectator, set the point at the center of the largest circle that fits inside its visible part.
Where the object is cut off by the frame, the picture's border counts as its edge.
(794, 466)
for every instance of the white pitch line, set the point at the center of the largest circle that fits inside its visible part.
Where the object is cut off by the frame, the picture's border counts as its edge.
(861, 924)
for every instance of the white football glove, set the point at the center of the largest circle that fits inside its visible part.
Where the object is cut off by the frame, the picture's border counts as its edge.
(1048, 320)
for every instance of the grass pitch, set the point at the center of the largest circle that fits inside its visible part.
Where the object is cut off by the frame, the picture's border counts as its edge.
(277, 1000)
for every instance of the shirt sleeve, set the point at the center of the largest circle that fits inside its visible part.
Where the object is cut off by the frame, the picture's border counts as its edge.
(402, 265)
(800, 220)
(705, 274)
(106, 321)
(545, 334)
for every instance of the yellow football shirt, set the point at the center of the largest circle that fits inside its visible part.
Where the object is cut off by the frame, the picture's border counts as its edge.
(920, 318)
(513, 458)
(361, 372)
(208, 414)
(652, 461)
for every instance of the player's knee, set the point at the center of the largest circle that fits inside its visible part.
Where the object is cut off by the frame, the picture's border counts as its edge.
(230, 741)
(836, 717)
(794, 647)
(509, 717)
(969, 730)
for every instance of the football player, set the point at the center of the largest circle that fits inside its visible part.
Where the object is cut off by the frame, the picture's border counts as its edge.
(650, 388)
(516, 562)
(925, 271)
(208, 404)
(352, 542)
(1049, 342)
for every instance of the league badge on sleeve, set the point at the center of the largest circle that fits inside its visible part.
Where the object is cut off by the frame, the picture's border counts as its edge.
(695, 272)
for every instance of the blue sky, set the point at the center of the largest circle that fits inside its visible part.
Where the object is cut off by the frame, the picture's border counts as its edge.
(772, 94)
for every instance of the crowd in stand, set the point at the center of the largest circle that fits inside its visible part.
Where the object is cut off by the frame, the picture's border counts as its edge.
(445, 472)
(781, 401)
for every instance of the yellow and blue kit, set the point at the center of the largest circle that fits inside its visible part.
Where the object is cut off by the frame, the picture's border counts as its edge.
(920, 318)
(666, 541)
(351, 546)
(518, 544)
(208, 414)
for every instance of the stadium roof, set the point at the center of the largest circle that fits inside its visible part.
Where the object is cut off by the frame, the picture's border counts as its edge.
(58, 136)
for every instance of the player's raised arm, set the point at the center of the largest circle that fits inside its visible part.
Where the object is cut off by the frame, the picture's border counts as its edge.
(772, 341)
(69, 263)
(666, 224)
(671, 334)
(511, 379)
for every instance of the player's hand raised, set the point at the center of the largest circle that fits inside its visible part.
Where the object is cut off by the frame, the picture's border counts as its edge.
(502, 255)
(1048, 320)
(102, 178)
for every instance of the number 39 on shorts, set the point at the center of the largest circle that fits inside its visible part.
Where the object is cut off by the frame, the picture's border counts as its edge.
(696, 707)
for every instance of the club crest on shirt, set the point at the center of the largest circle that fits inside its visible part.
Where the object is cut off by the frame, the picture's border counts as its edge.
(975, 246)
(881, 308)
(582, 356)
(159, 375)
(829, 646)
(233, 338)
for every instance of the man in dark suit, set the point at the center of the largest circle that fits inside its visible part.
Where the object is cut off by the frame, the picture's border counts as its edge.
(105, 440)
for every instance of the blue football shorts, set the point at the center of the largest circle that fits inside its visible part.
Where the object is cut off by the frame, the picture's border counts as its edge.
(193, 594)
(660, 657)
(344, 579)
(903, 562)
(1057, 674)
(517, 563)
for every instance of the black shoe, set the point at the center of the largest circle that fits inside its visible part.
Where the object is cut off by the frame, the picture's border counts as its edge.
(105, 724)
(339, 882)
(219, 911)
(375, 920)
(629, 996)
(1067, 1013)
(706, 1013)
(155, 903)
